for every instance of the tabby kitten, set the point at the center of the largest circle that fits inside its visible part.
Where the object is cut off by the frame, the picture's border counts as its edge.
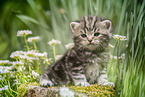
(86, 62)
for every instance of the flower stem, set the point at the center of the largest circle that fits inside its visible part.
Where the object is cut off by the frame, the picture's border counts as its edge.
(54, 52)
(23, 73)
(11, 90)
(16, 81)
(38, 68)
(26, 42)
(3, 65)
(35, 45)
(30, 70)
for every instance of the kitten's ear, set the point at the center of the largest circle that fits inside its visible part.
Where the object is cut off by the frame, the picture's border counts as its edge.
(74, 25)
(108, 24)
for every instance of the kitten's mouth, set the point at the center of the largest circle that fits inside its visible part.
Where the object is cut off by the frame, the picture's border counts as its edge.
(90, 44)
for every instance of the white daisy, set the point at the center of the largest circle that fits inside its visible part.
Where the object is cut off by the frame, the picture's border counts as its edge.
(21, 33)
(54, 42)
(30, 59)
(44, 54)
(17, 63)
(4, 88)
(16, 54)
(35, 73)
(21, 68)
(4, 61)
(31, 53)
(5, 69)
(119, 37)
(32, 39)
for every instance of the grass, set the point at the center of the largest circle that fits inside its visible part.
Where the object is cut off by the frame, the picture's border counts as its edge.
(50, 19)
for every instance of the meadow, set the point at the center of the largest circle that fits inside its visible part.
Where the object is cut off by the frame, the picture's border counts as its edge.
(35, 33)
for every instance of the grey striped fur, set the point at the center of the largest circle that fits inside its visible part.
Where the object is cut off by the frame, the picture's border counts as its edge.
(86, 61)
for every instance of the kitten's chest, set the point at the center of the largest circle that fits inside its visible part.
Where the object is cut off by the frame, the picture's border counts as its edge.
(93, 68)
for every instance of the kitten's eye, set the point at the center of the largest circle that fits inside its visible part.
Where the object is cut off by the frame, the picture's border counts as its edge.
(96, 34)
(83, 35)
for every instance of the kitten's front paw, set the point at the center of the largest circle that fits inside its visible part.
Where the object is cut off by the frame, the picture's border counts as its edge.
(85, 84)
(45, 82)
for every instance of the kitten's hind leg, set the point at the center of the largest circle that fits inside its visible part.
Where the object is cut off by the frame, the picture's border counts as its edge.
(44, 81)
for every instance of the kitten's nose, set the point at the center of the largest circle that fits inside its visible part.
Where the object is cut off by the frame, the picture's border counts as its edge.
(90, 40)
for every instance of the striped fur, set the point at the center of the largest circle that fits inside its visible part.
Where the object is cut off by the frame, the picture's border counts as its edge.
(84, 63)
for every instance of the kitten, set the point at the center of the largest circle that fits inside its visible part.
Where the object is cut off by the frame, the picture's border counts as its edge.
(86, 62)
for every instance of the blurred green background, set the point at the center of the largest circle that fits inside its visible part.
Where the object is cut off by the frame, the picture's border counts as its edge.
(50, 19)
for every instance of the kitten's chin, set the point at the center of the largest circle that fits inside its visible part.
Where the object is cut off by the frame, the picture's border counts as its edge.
(91, 47)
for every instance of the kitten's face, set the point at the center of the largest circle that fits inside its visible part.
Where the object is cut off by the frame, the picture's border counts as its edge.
(91, 33)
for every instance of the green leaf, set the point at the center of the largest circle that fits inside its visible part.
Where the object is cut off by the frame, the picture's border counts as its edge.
(3, 47)
(27, 19)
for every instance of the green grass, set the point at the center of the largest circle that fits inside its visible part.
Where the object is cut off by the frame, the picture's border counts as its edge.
(50, 19)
